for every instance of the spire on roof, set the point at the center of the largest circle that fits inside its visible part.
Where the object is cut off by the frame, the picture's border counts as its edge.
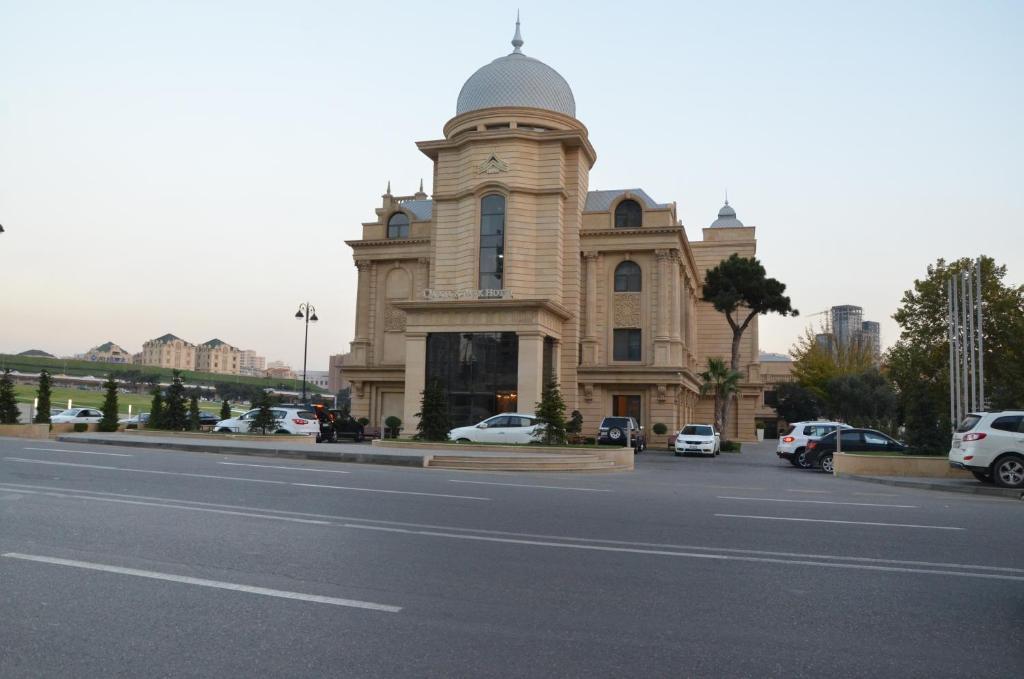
(421, 184)
(388, 192)
(517, 39)
(727, 196)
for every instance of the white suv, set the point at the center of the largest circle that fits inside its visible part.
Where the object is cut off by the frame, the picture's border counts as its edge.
(287, 420)
(991, 446)
(793, 443)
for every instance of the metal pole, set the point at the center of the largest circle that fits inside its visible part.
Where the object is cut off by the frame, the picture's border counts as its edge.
(981, 345)
(971, 368)
(952, 368)
(956, 349)
(305, 348)
(963, 346)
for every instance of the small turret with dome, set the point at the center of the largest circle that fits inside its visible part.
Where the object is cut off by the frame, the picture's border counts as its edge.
(516, 80)
(726, 218)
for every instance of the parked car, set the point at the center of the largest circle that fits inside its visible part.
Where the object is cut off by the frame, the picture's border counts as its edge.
(205, 419)
(793, 443)
(820, 453)
(135, 420)
(503, 428)
(701, 439)
(335, 424)
(622, 431)
(991, 446)
(78, 416)
(287, 420)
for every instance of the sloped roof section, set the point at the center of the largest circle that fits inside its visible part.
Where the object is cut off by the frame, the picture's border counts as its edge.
(422, 210)
(167, 338)
(601, 201)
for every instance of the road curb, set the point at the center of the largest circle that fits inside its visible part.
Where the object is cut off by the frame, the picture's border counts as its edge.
(926, 485)
(240, 449)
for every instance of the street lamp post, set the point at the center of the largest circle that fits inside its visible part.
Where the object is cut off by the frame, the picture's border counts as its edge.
(308, 312)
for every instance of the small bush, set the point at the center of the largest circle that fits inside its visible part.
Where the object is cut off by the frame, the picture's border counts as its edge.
(659, 428)
(731, 446)
(393, 423)
(363, 421)
(81, 426)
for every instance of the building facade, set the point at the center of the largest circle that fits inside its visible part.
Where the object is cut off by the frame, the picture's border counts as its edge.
(217, 356)
(515, 271)
(108, 352)
(169, 351)
(252, 364)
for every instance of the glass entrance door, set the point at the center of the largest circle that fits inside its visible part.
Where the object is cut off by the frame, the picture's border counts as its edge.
(626, 406)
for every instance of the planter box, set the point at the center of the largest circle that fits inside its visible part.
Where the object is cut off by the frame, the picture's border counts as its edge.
(70, 428)
(851, 464)
(25, 431)
(620, 455)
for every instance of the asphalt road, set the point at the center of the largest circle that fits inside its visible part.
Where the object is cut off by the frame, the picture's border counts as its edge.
(129, 562)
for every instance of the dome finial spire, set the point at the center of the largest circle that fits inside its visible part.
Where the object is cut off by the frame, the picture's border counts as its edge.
(517, 39)
(727, 196)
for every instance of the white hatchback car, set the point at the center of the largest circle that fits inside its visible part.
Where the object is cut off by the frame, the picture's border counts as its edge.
(991, 446)
(701, 439)
(287, 420)
(504, 428)
(793, 443)
(78, 416)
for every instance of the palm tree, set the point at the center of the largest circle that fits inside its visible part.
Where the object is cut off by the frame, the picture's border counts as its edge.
(722, 381)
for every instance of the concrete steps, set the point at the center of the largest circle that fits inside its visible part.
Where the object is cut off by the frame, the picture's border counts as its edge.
(533, 463)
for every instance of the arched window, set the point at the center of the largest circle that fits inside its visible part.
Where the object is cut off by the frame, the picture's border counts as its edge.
(492, 242)
(398, 226)
(628, 278)
(628, 215)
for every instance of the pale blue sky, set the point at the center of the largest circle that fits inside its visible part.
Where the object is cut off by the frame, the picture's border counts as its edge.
(194, 167)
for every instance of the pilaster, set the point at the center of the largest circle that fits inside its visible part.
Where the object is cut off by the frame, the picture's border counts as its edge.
(415, 377)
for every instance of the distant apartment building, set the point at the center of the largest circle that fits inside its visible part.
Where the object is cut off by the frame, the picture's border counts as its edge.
(108, 352)
(217, 356)
(280, 370)
(169, 351)
(871, 335)
(318, 378)
(335, 373)
(252, 364)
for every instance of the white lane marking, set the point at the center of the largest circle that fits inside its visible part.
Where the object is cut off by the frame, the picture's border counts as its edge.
(55, 491)
(527, 485)
(277, 466)
(395, 492)
(81, 452)
(857, 523)
(797, 490)
(201, 582)
(815, 502)
(239, 478)
(880, 494)
(690, 555)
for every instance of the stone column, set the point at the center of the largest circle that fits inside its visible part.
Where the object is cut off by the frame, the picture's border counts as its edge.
(531, 371)
(590, 343)
(661, 304)
(415, 377)
(361, 342)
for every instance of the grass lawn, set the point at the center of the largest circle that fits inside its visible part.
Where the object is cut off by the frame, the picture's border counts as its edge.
(94, 399)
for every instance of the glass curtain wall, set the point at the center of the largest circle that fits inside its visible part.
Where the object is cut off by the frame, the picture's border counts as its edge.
(480, 372)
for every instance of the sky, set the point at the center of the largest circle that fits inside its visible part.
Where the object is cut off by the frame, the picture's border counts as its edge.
(195, 167)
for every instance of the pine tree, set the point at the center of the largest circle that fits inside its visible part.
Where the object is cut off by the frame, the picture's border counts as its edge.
(193, 411)
(434, 423)
(109, 421)
(156, 410)
(264, 419)
(8, 405)
(43, 399)
(551, 414)
(175, 417)
(225, 410)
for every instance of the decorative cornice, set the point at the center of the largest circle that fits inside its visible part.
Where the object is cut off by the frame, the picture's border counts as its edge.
(486, 304)
(386, 242)
(631, 232)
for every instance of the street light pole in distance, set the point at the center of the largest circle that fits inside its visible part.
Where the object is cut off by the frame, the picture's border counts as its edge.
(308, 312)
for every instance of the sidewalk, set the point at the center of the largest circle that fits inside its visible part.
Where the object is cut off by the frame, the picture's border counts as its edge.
(970, 486)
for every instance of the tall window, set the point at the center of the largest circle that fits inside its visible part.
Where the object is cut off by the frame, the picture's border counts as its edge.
(627, 277)
(627, 345)
(628, 215)
(492, 242)
(398, 226)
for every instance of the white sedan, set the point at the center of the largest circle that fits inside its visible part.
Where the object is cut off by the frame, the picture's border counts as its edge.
(78, 416)
(505, 428)
(698, 438)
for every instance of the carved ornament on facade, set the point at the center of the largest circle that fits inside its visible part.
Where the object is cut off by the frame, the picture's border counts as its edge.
(588, 392)
(661, 393)
(493, 165)
(394, 320)
(627, 310)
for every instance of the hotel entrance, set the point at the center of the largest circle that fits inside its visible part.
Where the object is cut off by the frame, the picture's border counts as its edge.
(626, 405)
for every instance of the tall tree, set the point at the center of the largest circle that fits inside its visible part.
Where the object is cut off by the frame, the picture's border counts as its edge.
(156, 410)
(740, 288)
(43, 398)
(816, 364)
(550, 411)
(918, 363)
(264, 421)
(109, 421)
(796, 403)
(434, 423)
(722, 382)
(175, 417)
(225, 410)
(193, 411)
(9, 412)
(865, 399)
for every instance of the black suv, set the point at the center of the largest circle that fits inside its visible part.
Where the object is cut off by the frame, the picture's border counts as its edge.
(335, 425)
(622, 431)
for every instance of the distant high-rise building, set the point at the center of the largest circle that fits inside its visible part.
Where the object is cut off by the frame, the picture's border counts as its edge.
(250, 363)
(846, 323)
(871, 335)
(848, 328)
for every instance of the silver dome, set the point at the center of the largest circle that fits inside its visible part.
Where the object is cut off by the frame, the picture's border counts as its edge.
(516, 80)
(726, 218)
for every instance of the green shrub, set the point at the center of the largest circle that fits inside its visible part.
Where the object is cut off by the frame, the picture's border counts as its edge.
(659, 428)
(393, 423)
(363, 421)
(731, 446)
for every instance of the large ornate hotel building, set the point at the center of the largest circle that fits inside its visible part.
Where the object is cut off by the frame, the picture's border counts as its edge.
(514, 270)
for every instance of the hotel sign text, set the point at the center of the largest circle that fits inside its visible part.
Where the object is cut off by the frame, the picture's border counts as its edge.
(430, 293)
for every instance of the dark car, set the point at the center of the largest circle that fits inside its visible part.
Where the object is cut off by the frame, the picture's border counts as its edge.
(820, 453)
(205, 419)
(622, 431)
(334, 425)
